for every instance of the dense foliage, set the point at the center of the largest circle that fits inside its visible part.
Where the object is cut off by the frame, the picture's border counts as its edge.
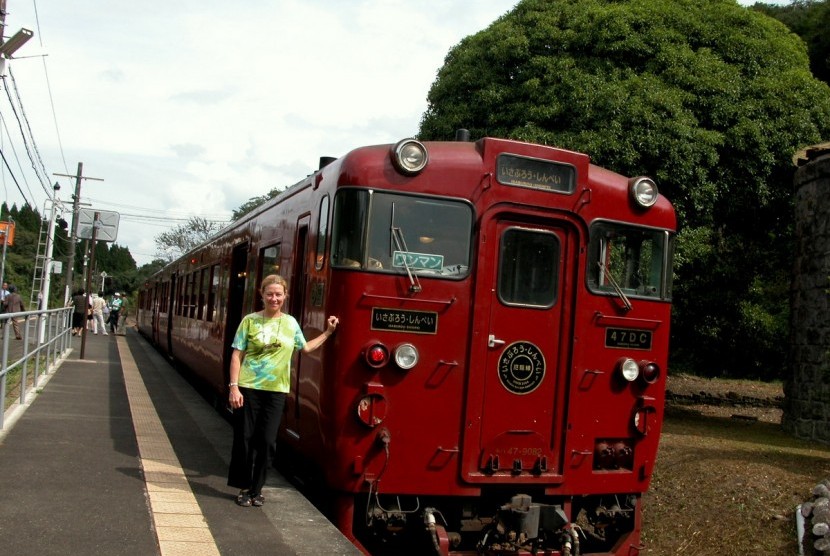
(709, 98)
(29, 243)
(810, 20)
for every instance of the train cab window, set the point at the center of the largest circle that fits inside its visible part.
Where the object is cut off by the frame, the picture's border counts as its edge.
(630, 261)
(528, 268)
(322, 233)
(401, 234)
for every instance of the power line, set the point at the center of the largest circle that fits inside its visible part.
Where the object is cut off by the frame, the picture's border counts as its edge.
(6, 162)
(49, 88)
(23, 135)
(34, 153)
(19, 165)
(164, 212)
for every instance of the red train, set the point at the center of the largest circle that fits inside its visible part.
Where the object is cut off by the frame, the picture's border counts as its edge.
(496, 385)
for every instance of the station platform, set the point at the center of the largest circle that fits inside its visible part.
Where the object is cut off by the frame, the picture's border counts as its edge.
(117, 454)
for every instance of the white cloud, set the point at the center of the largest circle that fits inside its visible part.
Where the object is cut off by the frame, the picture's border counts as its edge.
(193, 107)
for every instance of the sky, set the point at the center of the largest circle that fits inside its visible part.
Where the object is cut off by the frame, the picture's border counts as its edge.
(190, 108)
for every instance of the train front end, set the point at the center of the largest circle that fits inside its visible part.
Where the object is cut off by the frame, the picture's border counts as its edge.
(499, 383)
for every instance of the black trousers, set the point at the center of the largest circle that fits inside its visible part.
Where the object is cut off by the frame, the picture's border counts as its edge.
(113, 320)
(255, 427)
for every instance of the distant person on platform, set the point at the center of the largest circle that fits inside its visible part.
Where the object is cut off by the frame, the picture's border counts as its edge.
(80, 304)
(14, 304)
(116, 303)
(98, 305)
(3, 294)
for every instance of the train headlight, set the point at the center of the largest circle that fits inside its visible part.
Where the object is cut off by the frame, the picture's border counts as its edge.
(409, 156)
(643, 191)
(628, 369)
(406, 356)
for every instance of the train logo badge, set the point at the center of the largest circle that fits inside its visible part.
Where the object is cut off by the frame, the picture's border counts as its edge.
(521, 367)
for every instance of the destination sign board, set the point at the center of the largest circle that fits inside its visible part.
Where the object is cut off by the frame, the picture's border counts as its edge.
(535, 173)
(417, 261)
(400, 320)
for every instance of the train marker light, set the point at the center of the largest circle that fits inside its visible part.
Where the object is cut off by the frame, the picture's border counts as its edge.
(643, 191)
(649, 371)
(406, 356)
(377, 355)
(409, 156)
(628, 369)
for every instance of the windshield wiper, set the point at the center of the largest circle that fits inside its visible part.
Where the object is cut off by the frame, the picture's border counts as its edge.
(400, 244)
(616, 286)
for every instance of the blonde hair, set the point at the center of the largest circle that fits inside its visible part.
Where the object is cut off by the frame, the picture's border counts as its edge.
(273, 279)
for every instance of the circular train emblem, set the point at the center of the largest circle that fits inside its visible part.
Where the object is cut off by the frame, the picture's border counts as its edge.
(521, 367)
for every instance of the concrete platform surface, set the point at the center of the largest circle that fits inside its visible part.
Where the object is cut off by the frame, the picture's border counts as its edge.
(117, 454)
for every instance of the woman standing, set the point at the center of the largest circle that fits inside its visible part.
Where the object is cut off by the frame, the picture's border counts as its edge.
(259, 381)
(80, 301)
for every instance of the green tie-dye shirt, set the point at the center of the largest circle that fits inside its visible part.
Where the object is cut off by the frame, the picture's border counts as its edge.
(268, 345)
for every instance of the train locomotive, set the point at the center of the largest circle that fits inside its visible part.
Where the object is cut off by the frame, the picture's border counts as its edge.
(497, 382)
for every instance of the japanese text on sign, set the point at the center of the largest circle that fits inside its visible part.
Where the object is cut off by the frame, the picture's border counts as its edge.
(399, 320)
(418, 261)
(536, 174)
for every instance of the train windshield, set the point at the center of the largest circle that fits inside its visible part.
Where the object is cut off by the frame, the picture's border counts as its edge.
(401, 234)
(630, 261)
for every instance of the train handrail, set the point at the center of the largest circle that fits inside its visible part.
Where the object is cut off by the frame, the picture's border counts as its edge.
(446, 302)
(45, 342)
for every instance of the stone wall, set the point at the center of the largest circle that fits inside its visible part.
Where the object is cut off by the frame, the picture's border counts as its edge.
(807, 386)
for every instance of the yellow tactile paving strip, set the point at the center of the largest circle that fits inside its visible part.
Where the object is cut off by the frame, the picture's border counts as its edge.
(180, 526)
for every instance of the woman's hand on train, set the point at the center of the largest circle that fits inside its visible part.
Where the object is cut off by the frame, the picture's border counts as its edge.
(332, 324)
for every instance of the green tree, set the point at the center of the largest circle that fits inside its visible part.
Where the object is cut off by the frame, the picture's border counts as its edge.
(810, 20)
(254, 202)
(119, 265)
(709, 98)
(181, 239)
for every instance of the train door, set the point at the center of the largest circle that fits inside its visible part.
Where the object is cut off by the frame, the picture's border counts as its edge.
(236, 298)
(296, 308)
(520, 355)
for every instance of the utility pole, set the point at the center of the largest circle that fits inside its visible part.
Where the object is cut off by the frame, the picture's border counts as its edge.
(73, 234)
(12, 44)
(96, 225)
(47, 265)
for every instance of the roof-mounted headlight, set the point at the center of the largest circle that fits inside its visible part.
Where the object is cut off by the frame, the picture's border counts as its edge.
(410, 156)
(643, 191)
